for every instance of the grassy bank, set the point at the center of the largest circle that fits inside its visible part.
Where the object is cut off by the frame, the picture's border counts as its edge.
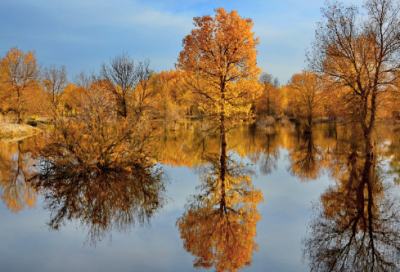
(13, 131)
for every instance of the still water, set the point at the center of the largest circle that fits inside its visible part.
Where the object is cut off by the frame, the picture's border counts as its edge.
(291, 202)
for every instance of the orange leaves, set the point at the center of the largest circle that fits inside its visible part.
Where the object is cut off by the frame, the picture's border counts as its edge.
(98, 169)
(305, 97)
(220, 57)
(19, 83)
(223, 46)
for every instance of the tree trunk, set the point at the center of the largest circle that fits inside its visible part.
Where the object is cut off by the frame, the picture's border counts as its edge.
(223, 164)
(368, 144)
(223, 152)
(19, 111)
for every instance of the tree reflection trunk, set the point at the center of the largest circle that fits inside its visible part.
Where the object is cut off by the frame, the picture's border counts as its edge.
(223, 167)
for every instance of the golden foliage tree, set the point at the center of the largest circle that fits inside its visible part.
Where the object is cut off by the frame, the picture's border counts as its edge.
(19, 82)
(271, 100)
(174, 100)
(305, 98)
(220, 56)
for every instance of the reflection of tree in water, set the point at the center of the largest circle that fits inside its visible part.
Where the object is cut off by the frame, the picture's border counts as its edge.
(16, 171)
(219, 224)
(356, 225)
(105, 180)
(267, 154)
(306, 158)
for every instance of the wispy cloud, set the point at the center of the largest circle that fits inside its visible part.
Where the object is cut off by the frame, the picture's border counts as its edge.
(90, 31)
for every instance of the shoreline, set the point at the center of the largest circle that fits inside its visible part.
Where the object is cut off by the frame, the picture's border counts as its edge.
(17, 132)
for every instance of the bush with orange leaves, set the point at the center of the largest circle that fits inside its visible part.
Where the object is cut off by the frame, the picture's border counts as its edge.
(99, 169)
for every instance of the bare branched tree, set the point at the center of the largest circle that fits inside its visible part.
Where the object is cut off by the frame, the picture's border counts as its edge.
(359, 55)
(143, 91)
(55, 81)
(123, 77)
(266, 78)
(83, 80)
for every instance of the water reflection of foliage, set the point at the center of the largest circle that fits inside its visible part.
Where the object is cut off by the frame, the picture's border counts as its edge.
(101, 172)
(267, 150)
(102, 200)
(306, 159)
(219, 224)
(16, 172)
(187, 145)
(355, 227)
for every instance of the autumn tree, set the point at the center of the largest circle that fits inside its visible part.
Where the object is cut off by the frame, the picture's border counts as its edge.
(83, 80)
(332, 106)
(305, 99)
(99, 171)
(144, 98)
(19, 77)
(173, 97)
(392, 105)
(55, 82)
(73, 98)
(220, 56)
(271, 98)
(359, 55)
(123, 76)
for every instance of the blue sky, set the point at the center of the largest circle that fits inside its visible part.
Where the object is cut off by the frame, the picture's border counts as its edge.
(81, 34)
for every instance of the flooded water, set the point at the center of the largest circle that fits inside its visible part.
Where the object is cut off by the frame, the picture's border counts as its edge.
(276, 200)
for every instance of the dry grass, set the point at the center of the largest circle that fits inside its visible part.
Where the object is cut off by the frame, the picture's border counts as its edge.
(8, 119)
(13, 131)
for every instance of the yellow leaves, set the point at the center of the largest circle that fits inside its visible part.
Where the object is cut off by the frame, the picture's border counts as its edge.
(19, 83)
(220, 55)
(305, 97)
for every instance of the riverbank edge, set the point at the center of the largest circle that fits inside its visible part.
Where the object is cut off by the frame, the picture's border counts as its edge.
(15, 131)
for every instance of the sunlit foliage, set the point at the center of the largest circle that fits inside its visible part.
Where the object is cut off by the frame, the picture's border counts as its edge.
(19, 83)
(220, 57)
(305, 99)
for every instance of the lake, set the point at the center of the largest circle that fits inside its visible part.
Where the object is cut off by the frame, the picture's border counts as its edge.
(291, 202)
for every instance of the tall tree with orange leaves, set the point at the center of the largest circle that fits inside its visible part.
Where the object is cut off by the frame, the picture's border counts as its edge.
(219, 53)
(220, 56)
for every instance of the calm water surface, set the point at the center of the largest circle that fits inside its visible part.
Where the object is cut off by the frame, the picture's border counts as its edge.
(290, 194)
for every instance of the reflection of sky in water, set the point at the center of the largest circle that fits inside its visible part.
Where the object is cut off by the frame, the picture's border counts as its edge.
(28, 245)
